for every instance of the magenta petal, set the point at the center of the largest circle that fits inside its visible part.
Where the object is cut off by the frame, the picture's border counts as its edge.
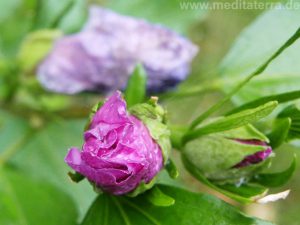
(112, 112)
(73, 159)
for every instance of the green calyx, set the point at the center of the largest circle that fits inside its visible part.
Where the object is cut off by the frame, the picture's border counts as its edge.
(215, 155)
(154, 117)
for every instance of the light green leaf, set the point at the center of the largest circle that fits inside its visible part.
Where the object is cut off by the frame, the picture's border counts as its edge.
(189, 208)
(25, 201)
(254, 46)
(232, 121)
(158, 198)
(136, 88)
(276, 179)
(168, 13)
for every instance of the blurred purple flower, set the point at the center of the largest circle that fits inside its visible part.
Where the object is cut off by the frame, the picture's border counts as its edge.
(119, 152)
(103, 55)
(256, 157)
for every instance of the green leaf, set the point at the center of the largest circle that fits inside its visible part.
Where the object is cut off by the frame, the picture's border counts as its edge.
(13, 130)
(241, 83)
(276, 179)
(232, 121)
(42, 157)
(254, 46)
(189, 208)
(75, 18)
(16, 18)
(279, 132)
(158, 198)
(168, 13)
(68, 15)
(280, 98)
(25, 201)
(136, 88)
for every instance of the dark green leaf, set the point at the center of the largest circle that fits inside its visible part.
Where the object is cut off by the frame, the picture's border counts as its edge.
(279, 132)
(25, 201)
(280, 98)
(189, 209)
(136, 87)
(276, 179)
(158, 198)
(232, 121)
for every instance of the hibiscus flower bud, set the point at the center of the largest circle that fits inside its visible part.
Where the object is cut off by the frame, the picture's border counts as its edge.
(103, 55)
(228, 157)
(120, 153)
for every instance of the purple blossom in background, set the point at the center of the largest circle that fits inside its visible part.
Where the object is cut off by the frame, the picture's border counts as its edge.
(103, 55)
(255, 158)
(118, 151)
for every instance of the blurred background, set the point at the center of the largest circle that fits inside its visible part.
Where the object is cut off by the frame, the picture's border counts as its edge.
(37, 127)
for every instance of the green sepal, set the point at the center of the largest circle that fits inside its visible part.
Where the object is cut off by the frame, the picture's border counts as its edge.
(76, 177)
(159, 198)
(280, 131)
(154, 117)
(171, 168)
(199, 176)
(142, 188)
(233, 121)
(35, 47)
(245, 190)
(293, 112)
(276, 179)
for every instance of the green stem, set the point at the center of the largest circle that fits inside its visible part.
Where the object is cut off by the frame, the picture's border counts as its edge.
(258, 71)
